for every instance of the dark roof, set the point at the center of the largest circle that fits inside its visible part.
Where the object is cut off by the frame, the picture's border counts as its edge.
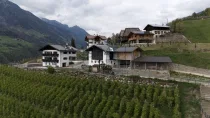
(122, 32)
(153, 59)
(157, 27)
(95, 37)
(127, 49)
(114, 49)
(128, 30)
(102, 47)
(59, 48)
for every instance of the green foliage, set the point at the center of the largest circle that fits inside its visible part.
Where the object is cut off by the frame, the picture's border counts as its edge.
(185, 57)
(34, 94)
(73, 43)
(50, 70)
(13, 50)
(82, 55)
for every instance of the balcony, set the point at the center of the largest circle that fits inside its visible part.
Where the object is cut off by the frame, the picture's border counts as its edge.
(50, 60)
(50, 54)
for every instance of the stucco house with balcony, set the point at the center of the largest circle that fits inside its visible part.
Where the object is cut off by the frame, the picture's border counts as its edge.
(140, 37)
(58, 55)
(157, 30)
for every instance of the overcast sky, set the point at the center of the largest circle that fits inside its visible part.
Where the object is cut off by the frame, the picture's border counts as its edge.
(110, 16)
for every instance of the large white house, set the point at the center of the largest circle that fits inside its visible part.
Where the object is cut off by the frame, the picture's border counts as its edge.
(101, 53)
(58, 55)
(157, 30)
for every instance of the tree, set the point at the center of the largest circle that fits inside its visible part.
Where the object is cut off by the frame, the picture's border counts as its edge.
(73, 43)
(194, 15)
(50, 70)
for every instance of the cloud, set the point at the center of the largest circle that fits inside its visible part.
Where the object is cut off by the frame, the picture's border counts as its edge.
(110, 16)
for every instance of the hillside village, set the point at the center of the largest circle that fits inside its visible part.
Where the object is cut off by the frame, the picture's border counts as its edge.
(159, 71)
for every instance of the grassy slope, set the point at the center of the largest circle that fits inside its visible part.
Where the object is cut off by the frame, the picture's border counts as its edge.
(183, 54)
(15, 50)
(197, 31)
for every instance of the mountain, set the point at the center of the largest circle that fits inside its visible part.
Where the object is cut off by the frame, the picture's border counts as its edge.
(25, 33)
(76, 32)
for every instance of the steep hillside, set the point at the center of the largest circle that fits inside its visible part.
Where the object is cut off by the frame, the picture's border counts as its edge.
(16, 23)
(195, 27)
(196, 31)
(12, 50)
(76, 32)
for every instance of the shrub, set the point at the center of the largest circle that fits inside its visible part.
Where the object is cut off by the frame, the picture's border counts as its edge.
(50, 70)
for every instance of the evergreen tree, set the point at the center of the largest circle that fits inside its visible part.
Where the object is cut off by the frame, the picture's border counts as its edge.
(73, 43)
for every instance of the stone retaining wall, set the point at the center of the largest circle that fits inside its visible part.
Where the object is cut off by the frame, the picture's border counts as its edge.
(142, 73)
(190, 70)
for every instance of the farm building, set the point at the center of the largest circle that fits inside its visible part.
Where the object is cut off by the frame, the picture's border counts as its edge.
(152, 63)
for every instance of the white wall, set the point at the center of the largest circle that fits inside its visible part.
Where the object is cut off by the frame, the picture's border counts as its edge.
(60, 59)
(162, 32)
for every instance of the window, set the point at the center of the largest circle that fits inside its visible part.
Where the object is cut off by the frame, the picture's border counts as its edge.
(111, 62)
(64, 52)
(102, 62)
(95, 61)
(65, 58)
(69, 52)
(156, 32)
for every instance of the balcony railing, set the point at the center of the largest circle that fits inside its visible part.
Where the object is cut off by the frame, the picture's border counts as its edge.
(50, 54)
(50, 60)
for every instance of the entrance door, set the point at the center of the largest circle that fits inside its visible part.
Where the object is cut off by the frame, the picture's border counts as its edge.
(64, 65)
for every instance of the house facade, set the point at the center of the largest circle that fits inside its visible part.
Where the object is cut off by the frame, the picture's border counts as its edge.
(108, 55)
(140, 37)
(124, 34)
(96, 40)
(157, 30)
(58, 55)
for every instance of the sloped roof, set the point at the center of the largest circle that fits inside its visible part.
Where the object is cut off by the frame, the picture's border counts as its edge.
(153, 59)
(60, 47)
(122, 32)
(128, 30)
(94, 37)
(127, 49)
(102, 47)
(114, 49)
(141, 32)
(157, 26)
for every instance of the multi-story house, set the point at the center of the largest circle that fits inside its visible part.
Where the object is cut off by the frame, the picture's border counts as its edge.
(101, 53)
(124, 34)
(58, 55)
(157, 30)
(140, 37)
(95, 40)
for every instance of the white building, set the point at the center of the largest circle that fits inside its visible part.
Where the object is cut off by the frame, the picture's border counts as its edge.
(94, 40)
(58, 55)
(157, 30)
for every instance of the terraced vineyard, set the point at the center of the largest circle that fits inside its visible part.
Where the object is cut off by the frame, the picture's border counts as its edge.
(38, 94)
